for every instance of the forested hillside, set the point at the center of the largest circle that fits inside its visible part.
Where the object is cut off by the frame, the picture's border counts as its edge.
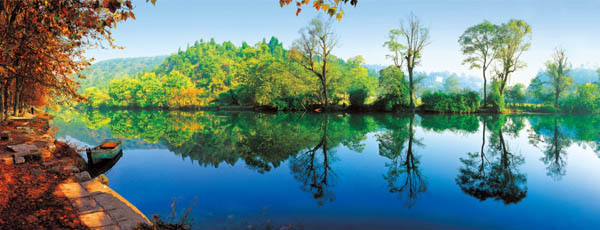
(101, 73)
(209, 73)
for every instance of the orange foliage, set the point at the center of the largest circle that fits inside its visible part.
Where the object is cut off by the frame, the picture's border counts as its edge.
(43, 42)
(330, 7)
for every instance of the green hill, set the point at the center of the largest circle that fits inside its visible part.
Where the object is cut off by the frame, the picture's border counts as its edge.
(99, 74)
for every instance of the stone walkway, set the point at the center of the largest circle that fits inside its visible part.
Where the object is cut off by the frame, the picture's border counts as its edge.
(100, 207)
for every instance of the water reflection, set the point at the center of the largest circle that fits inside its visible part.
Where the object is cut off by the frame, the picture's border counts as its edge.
(312, 168)
(96, 168)
(553, 141)
(308, 143)
(403, 174)
(494, 174)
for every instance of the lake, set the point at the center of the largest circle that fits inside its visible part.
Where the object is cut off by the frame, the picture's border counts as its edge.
(245, 170)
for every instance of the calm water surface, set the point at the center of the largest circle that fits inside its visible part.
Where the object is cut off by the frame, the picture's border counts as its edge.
(244, 170)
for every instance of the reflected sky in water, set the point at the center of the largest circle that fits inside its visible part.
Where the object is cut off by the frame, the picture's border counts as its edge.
(376, 171)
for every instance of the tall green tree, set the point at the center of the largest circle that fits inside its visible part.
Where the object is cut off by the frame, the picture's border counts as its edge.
(406, 44)
(480, 44)
(393, 87)
(313, 49)
(558, 69)
(515, 37)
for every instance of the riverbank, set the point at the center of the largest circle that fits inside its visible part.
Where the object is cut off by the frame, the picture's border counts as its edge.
(45, 184)
(539, 109)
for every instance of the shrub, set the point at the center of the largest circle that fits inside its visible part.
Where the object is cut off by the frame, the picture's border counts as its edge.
(389, 103)
(466, 102)
(358, 97)
(585, 99)
(288, 104)
(495, 100)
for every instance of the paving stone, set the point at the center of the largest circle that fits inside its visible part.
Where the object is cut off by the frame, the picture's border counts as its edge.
(123, 214)
(108, 201)
(109, 227)
(96, 219)
(73, 190)
(94, 186)
(86, 205)
(23, 149)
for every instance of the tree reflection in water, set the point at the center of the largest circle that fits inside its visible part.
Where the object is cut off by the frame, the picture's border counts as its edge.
(554, 141)
(403, 164)
(314, 171)
(494, 174)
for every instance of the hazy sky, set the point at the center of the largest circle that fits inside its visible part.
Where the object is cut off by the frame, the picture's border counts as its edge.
(173, 24)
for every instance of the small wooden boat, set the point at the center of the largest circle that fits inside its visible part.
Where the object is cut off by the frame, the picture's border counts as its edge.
(109, 149)
(103, 166)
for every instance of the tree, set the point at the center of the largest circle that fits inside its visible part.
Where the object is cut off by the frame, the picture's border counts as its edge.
(516, 93)
(331, 7)
(394, 88)
(43, 44)
(585, 99)
(406, 44)
(451, 85)
(538, 89)
(514, 37)
(480, 44)
(557, 70)
(312, 51)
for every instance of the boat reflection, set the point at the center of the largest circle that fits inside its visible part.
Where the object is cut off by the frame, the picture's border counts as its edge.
(97, 167)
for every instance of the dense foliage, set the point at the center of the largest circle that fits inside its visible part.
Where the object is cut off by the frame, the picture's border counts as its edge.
(208, 73)
(465, 102)
(585, 99)
(43, 43)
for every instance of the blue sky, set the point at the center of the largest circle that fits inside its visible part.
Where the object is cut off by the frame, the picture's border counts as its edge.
(173, 24)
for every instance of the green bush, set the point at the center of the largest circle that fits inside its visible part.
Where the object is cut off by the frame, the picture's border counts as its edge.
(389, 103)
(358, 97)
(466, 102)
(495, 99)
(585, 99)
(288, 104)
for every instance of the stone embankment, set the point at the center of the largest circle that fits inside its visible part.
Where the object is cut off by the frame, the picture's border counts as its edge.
(31, 160)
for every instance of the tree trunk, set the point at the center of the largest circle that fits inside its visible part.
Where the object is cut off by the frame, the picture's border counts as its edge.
(324, 83)
(484, 90)
(556, 93)
(411, 89)
(481, 168)
(16, 104)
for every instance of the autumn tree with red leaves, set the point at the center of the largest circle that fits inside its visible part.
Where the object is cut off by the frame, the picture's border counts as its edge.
(42, 45)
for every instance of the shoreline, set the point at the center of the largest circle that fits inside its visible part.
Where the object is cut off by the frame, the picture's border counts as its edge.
(31, 158)
(334, 110)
